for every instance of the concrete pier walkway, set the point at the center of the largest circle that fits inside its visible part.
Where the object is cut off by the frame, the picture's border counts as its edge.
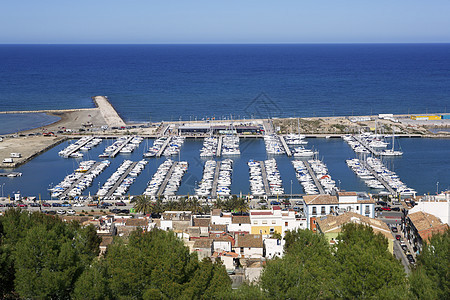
(163, 147)
(166, 179)
(219, 147)
(375, 174)
(314, 177)
(114, 154)
(264, 177)
(215, 180)
(79, 180)
(108, 112)
(78, 147)
(119, 182)
(285, 145)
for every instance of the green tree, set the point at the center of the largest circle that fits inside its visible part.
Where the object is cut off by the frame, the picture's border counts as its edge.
(93, 283)
(365, 266)
(433, 268)
(142, 204)
(305, 271)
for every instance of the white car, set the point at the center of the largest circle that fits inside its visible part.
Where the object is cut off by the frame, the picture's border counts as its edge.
(78, 204)
(70, 212)
(60, 211)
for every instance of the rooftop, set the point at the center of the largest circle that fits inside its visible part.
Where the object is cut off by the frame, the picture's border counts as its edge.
(320, 199)
(427, 224)
(249, 241)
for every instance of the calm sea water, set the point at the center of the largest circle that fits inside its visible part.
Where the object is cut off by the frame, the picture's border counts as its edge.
(424, 163)
(164, 82)
(19, 122)
(169, 82)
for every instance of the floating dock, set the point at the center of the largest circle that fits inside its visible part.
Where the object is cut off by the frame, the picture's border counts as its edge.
(119, 182)
(285, 145)
(314, 177)
(219, 147)
(163, 147)
(381, 180)
(264, 177)
(364, 144)
(216, 179)
(79, 180)
(78, 147)
(166, 179)
(10, 174)
(113, 154)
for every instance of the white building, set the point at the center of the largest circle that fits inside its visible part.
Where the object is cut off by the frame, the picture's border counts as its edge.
(436, 205)
(322, 205)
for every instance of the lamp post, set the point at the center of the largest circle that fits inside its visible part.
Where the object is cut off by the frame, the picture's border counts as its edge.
(339, 185)
(437, 187)
(2, 189)
(291, 189)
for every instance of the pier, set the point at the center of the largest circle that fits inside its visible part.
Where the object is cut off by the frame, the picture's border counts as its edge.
(215, 181)
(364, 144)
(375, 174)
(285, 145)
(113, 154)
(78, 147)
(10, 174)
(268, 127)
(108, 112)
(219, 147)
(118, 182)
(79, 180)
(166, 179)
(264, 177)
(163, 147)
(314, 177)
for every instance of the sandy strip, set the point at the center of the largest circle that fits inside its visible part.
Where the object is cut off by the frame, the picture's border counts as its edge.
(108, 112)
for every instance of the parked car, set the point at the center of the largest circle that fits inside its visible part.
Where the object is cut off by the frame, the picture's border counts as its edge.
(386, 208)
(71, 212)
(274, 203)
(120, 203)
(34, 204)
(106, 204)
(45, 204)
(115, 210)
(124, 211)
(394, 229)
(2, 205)
(22, 205)
(56, 204)
(65, 204)
(49, 212)
(410, 258)
(398, 237)
(395, 208)
(61, 212)
(78, 204)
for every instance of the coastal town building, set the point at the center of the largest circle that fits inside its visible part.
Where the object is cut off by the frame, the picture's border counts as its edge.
(331, 225)
(437, 205)
(324, 204)
(418, 227)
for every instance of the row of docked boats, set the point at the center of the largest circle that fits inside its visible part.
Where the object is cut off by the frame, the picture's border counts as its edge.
(274, 177)
(124, 144)
(355, 144)
(230, 145)
(83, 144)
(304, 178)
(367, 142)
(301, 151)
(124, 186)
(88, 178)
(390, 177)
(158, 178)
(257, 187)
(157, 145)
(321, 171)
(79, 180)
(224, 179)
(364, 174)
(174, 181)
(206, 184)
(273, 145)
(114, 178)
(173, 148)
(295, 139)
(209, 148)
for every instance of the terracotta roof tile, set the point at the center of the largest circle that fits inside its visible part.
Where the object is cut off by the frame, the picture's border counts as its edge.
(201, 222)
(202, 244)
(240, 219)
(320, 199)
(249, 241)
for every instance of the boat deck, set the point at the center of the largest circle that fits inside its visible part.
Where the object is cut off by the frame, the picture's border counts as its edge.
(163, 147)
(114, 154)
(375, 174)
(124, 175)
(78, 147)
(79, 180)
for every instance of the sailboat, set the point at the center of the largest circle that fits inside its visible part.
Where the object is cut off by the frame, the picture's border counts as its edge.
(392, 152)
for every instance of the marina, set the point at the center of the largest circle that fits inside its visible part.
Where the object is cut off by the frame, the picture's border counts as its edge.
(215, 180)
(72, 149)
(314, 177)
(285, 145)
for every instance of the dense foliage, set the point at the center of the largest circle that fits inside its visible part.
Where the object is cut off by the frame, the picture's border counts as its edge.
(42, 257)
(359, 266)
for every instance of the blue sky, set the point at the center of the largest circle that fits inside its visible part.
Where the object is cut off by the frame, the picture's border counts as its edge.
(226, 21)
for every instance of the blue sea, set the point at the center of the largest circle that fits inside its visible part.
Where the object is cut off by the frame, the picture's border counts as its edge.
(173, 82)
(169, 82)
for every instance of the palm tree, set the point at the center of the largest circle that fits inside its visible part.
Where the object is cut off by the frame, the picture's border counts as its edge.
(142, 204)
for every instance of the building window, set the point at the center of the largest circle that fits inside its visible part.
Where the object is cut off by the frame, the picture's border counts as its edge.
(264, 222)
(367, 209)
(255, 222)
(322, 210)
(357, 208)
(314, 210)
(274, 222)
